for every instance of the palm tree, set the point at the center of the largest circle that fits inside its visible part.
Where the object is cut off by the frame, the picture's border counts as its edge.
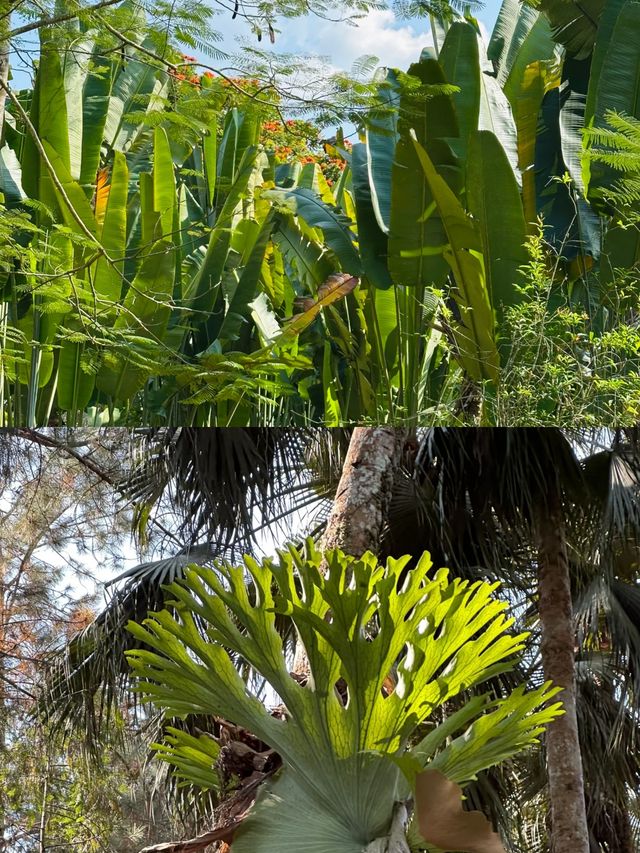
(533, 484)
(527, 506)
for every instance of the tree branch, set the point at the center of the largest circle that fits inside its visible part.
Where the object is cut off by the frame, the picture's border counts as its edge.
(52, 443)
(59, 19)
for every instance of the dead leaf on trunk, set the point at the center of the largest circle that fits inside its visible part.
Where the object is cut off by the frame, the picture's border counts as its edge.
(443, 822)
(193, 845)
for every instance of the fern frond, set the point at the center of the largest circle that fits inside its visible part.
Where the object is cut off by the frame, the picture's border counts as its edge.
(617, 145)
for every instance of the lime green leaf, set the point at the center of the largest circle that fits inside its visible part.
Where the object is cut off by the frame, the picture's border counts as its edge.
(193, 758)
(341, 740)
(164, 185)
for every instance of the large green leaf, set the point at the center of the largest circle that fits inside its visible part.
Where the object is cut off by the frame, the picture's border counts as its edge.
(371, 238)
(240, 133)
(606, 25)
(460, 63)
(10, 177)
(76, 378)
(49, 117)
(521, 35)
(620, 251)
(76, 201)
(339, 789)
(573, 96)
(134, 81)
(475, 335)
(618, 87)
(108, 274)
(75, 64)
(574, 23)
(143, 318)
(497, 117)
(335, 226)
(493, 198)
(245, 292)
(209, 160)
(307, 262)
(203, 290)
(538, 77)
(164, 186)
(381, 139)
(572, 226)
(95, 108)
(416, 232)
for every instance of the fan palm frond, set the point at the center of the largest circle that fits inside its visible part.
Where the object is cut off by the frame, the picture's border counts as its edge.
(86, 678)
(218, 482)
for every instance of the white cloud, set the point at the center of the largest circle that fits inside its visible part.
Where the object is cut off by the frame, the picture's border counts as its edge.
(380, 34)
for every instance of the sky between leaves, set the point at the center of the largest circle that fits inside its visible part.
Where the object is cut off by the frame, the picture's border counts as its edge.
(381, 33)
(396, 42)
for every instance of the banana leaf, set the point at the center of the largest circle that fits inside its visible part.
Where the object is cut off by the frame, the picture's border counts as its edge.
(574, 24)
(143, 317)
(372, 240)
(475, 335)
(335, 226)
(493, 199)
(618, 87)
(416, 231)
(573, 96)
(381, 138)
(460, 61)
(521, 35)
(113, 234)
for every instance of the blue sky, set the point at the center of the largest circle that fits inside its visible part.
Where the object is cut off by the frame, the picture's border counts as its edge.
(396, 42)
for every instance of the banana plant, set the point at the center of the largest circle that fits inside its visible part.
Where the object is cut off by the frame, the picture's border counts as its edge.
(172, 252)
(134, 273)
(409, 260)
(386, 647)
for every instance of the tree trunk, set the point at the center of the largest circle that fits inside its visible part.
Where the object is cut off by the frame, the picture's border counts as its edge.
(364, 493)
(362, 500)
(569, 831)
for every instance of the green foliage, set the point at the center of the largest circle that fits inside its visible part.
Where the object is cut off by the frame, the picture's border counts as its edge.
(618, 145)
(344, 738)
(571, 362)
(162, 289)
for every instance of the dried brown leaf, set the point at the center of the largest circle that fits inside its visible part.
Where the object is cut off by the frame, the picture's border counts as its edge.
(444, 823)
(335, 287)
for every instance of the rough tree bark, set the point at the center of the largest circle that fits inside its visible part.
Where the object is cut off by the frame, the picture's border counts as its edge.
(569, 830)
(364, 492)
(362, 500)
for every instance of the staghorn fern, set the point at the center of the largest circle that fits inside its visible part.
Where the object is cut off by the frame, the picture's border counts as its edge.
(347, 743)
